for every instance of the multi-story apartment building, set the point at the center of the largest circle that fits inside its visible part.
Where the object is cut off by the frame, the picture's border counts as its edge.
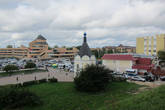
(121, 49)
(20, 52)
(125, 49)
(38, 48)
(150, 45)
(63, 52)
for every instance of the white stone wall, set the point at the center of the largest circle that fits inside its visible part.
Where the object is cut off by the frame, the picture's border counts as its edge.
(81, 62)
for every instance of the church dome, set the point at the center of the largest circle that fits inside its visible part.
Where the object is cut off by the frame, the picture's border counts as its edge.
(85, 50)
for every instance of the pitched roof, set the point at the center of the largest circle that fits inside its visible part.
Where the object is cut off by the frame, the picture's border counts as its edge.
(40, 37)
(117, 57)
(85, 50)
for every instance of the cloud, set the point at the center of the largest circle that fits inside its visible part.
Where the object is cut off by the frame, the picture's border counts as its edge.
(62, 22)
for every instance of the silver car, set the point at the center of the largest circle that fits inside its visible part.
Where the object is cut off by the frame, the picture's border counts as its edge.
(138, 78)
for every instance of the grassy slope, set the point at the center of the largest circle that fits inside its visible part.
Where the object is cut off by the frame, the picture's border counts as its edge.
(149, 100)
(63, 96)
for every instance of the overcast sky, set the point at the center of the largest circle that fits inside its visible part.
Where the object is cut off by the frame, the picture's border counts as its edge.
(63, 22)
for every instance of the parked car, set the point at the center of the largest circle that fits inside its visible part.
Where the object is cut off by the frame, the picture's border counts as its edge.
(71, 70)
(138, 78)
(162, 78)
(129, 75)
(149, 78)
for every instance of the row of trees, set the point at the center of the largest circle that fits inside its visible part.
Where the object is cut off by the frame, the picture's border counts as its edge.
(12, 68)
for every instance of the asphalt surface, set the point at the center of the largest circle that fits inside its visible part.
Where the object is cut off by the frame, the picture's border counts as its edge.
(61, 75)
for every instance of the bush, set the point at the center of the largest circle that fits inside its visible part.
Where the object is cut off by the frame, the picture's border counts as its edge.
(29, 83)
(53, 80)
(30, 65)
(16, 98)
(42, 80)
(10, 68)
(92, 79)
(119, 79)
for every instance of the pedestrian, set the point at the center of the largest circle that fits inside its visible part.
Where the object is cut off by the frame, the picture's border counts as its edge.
(17, 78)
(35, 78)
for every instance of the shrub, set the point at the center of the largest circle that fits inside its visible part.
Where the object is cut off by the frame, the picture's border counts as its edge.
(42, 80)
(30, 65)
(10, 68)
(119, 79)
(53, 80)
(16, 98)
(29, 83)
(92, 79)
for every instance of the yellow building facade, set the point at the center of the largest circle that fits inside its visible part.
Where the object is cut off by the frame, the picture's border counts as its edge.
(150, 45)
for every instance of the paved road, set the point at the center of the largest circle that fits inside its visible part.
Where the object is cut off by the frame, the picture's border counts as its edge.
(61, 75)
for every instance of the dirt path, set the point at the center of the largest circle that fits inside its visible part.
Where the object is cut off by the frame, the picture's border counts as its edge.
(150, 84)
(147, 85)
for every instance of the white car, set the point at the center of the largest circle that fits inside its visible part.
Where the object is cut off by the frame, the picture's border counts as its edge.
(138, 78)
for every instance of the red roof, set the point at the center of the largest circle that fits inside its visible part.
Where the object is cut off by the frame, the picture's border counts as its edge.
(117, 57)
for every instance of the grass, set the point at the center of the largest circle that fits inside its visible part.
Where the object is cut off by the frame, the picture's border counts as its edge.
(3, 74)
(149, 100)
(63, 96)
(118, 96)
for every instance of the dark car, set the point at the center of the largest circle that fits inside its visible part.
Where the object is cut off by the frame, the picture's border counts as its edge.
(149, 78)
(162, 78)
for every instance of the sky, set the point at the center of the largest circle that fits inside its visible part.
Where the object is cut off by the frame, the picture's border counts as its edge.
(63, 22)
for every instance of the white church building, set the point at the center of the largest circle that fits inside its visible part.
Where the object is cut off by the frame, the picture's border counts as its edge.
(83, 58)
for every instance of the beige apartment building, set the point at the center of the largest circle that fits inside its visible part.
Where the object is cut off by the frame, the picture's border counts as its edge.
(20, 52)
(63, 52)
(150, 45)
(38, 48)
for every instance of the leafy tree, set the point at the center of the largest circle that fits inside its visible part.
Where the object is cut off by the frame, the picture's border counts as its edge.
(30, 65)
(161, 55)
(12, 98)
(9, 46)
(110, 51)
(56, 46)
(63, 46)
(10, 68)
(95, 53)
(49, 48)
(78, 47)
(93, 78)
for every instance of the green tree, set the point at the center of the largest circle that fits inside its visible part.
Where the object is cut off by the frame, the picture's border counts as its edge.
(63, 46)
(110, 51)
(95, 53)
(10, 68)
(93, 78)
(9, 46)
(15, 98)
(78, 47)
(56, 46)
(161, 55)
(30, 65)
(49, 48)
